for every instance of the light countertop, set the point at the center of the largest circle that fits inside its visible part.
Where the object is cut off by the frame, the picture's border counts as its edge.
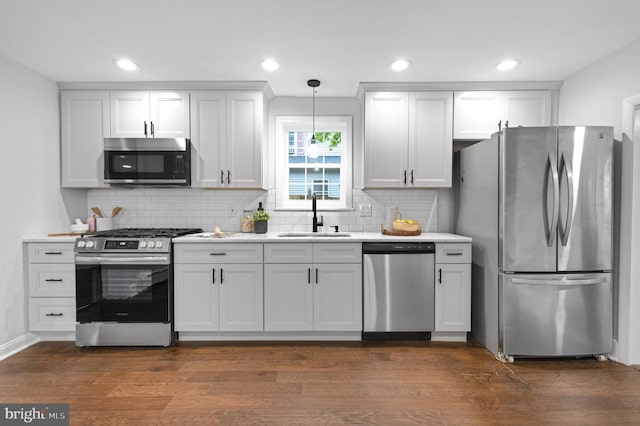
(274, 237)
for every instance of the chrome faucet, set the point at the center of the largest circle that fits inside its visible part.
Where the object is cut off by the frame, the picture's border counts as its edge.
(315, 217)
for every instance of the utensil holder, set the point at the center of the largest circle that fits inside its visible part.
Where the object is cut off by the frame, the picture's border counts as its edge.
(104, 223)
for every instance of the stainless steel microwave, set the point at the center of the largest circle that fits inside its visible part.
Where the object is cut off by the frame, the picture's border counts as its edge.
(147, 161)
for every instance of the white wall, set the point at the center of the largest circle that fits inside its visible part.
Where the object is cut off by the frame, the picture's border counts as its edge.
(600, 95)
(32, 203)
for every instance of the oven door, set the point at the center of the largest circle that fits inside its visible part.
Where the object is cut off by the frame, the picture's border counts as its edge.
(123, 288)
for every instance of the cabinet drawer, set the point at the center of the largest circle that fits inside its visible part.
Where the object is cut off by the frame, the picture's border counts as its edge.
(453, 253)
(52, 280)
(52, 314)
(337, 253)
(57, 252)
(288, 253)
(218, 253)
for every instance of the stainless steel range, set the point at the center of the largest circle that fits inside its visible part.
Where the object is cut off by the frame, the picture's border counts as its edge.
(124, 287)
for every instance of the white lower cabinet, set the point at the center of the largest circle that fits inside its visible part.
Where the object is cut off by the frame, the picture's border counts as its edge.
(218, 296)
(52, 286)
(453, 288)
(304, 294)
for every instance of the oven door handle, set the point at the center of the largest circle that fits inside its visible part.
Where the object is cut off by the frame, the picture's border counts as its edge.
(137, 260)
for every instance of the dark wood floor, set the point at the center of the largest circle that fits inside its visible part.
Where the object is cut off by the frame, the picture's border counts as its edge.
(397, 383)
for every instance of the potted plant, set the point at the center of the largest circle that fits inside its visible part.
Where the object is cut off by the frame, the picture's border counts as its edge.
(260, 218)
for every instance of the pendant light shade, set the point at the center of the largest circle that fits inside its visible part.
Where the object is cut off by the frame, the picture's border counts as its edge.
(312, 148)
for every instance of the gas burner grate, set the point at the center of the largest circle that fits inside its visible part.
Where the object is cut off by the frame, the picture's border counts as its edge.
(145, 232)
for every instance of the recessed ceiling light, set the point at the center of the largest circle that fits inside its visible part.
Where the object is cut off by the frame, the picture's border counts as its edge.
(507, 64)
(269, 65)
(400, 64)
(126, 64)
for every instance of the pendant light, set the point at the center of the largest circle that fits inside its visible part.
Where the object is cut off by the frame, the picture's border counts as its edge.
(312, 149)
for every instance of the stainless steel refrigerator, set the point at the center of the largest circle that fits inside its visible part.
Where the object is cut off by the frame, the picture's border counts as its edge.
(537, 202)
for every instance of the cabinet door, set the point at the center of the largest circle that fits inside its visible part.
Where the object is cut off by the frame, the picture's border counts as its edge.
(196, 298)
(476, 114)
(337, 297)
(453, 297)
(244, 140)
(129, 113)
(385, 139)
(430, 139)
(84, 123)
(208, 138)
(527, 108)
(241, 306)
(288, 297)
(169, 114)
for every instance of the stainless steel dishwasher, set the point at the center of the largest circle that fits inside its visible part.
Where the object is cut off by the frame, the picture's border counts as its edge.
(399, 281)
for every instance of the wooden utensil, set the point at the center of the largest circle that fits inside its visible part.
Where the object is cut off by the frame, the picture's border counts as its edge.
(97, 211)
(115, 211)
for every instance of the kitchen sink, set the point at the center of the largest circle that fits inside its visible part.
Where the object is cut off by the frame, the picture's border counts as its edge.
(314, 234)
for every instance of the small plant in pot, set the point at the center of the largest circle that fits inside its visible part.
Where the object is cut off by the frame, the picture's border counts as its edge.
(260, 219)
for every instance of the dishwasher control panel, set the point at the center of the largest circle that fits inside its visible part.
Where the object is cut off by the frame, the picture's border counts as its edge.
(399, 247)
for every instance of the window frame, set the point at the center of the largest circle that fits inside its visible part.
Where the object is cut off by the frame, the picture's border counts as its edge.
(331, 123)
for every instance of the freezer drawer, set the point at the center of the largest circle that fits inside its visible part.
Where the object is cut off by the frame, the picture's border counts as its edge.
(556, 314)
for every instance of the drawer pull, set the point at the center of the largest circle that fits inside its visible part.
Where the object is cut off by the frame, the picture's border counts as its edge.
(218, 254)
(53, 252)
(458, 253)
(54, 315)
(440, 275)
(54, 280)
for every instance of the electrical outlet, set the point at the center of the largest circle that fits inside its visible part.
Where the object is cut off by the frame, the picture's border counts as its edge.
(364, 210)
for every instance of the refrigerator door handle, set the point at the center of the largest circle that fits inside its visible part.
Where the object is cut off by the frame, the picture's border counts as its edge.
(589, 281)
(550, 166)
(565, 167)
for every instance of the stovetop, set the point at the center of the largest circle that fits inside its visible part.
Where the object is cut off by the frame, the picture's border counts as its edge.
(131, 240)
(145, 232)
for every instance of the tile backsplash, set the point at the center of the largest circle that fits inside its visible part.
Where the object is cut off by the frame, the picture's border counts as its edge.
(202, 208)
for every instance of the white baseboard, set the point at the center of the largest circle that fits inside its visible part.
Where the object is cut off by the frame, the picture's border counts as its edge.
(451, 336)
(16, 345)
(269, 336)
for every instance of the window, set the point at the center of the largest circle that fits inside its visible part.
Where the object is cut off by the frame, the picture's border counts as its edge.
(300, 176)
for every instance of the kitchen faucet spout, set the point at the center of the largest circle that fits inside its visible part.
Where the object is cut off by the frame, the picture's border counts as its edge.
(316, 223)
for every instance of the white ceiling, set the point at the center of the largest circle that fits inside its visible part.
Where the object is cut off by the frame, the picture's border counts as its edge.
(340, 42)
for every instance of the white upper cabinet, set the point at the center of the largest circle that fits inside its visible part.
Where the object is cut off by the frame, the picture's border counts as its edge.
(84, 123)
(140, 114)
(408, 139)
(477, 114)
(226, 137)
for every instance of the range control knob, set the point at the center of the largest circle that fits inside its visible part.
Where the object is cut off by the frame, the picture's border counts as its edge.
(81, 243)
(159, 244)
(151, 244)
(143, 244)
(91, 244)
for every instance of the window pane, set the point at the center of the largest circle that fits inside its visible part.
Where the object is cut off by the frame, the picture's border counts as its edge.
(297, 184)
